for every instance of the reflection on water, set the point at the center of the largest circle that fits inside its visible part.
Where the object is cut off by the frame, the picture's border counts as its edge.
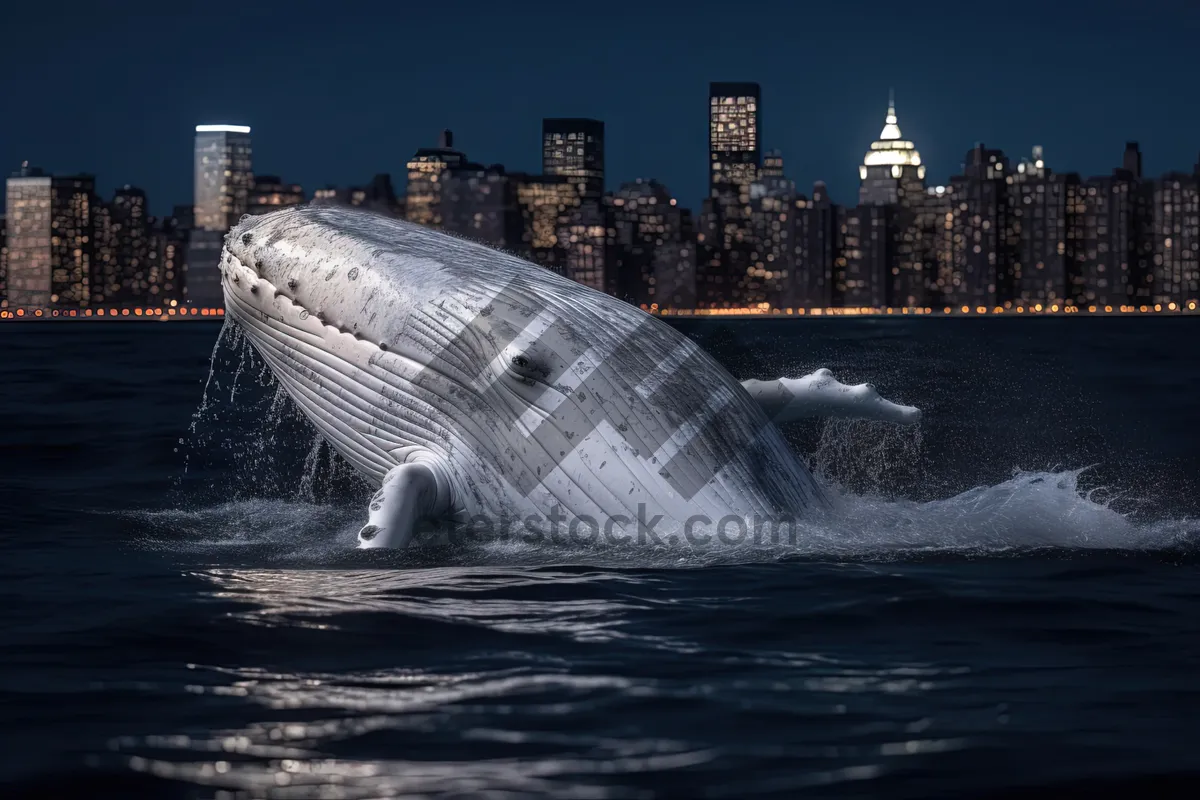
(453, 595)
(523, 718)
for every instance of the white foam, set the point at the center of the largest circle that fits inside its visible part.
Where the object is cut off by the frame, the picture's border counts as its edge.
(1030, 510)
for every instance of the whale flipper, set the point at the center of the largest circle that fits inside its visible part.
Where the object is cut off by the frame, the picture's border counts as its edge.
(821, 395)
(409, 494)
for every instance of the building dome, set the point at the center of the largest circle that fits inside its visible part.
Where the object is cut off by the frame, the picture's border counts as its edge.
(890, 149)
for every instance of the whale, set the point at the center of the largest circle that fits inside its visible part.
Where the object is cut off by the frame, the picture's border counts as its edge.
(462, 381)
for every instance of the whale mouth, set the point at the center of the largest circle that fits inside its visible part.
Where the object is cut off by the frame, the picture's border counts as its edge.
(333, 374)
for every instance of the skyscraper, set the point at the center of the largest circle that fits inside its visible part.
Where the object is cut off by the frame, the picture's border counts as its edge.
(734, 135)
(869, 253)
(3, 261)
(224, 177)
(49, 223)
(583, 240)
(1044, 225)
(168, 255)
(546, 203)
(121, 263)
(1176, 239)
(817, 245)
(1114, 245)
(891, 167)
(772, 229)
(422, 200)
(892, 175)
(574, 148)
(480, 203)
(982, 270)
(646, 241)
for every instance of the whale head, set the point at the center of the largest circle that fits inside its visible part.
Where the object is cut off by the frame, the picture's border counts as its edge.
(522, 390)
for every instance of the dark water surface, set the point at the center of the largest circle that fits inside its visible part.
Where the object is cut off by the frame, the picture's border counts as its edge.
(983, 618)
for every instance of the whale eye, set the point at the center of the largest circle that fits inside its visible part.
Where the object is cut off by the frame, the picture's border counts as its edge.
(525, 366)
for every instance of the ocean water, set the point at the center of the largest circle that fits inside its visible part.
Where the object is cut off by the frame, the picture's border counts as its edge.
(1007, 604)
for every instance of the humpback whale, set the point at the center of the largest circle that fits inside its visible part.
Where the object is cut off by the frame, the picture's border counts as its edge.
(462, 380)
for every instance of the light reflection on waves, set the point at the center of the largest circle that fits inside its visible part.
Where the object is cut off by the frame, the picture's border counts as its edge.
(289, 758)
(302, 770)
(532, 722)
(315, 598)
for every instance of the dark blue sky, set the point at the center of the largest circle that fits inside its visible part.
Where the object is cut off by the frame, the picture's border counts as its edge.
(337, 91)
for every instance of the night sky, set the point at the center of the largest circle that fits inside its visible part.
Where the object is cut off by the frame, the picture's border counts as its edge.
(338, 91)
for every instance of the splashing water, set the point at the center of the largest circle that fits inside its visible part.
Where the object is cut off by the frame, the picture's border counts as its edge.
(1031, 510)
(305, 503)
(867, 456)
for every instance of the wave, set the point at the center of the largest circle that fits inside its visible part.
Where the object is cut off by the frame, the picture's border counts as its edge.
(1031, 510)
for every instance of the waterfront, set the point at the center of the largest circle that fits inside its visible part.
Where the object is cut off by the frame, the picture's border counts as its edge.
(192, 313)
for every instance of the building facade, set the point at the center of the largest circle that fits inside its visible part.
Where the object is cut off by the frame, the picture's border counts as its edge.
(270, 193)
(480, 203)
(422, 198)
(734, 135)
(122, 250)
(223, 167)
(1176, 240)
(3, 261)
(573, 148)
(49, 226)
(1044, 227)
(547, 204)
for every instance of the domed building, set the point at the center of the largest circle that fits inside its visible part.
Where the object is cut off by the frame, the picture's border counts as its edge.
(892, 167)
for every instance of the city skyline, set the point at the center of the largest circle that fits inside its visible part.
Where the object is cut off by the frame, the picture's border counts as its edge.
(996, 234)
(329, 105)
(886, 112)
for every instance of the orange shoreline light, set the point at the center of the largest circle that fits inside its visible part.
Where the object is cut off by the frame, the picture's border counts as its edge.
(1188, 308)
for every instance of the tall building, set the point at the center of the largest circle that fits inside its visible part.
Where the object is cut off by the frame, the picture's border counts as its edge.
(223, 166)
(3, 261)
(817, 243)
(480, 203)
(168, 258)
(269, 193)
(982, 256)
(869, 253)
(121, 240)
(712, 289)
(546, 203)
(1114, 246)
(574, 148)
(771, 268)
(734, 135)
(422, 200)
(49, 223)
(1176, 215)
(892, 175)
(224, 177)
(1044, 226)
(675, 266)
(648, 248)
(945, 213)
(891, 168)
(583, 240)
